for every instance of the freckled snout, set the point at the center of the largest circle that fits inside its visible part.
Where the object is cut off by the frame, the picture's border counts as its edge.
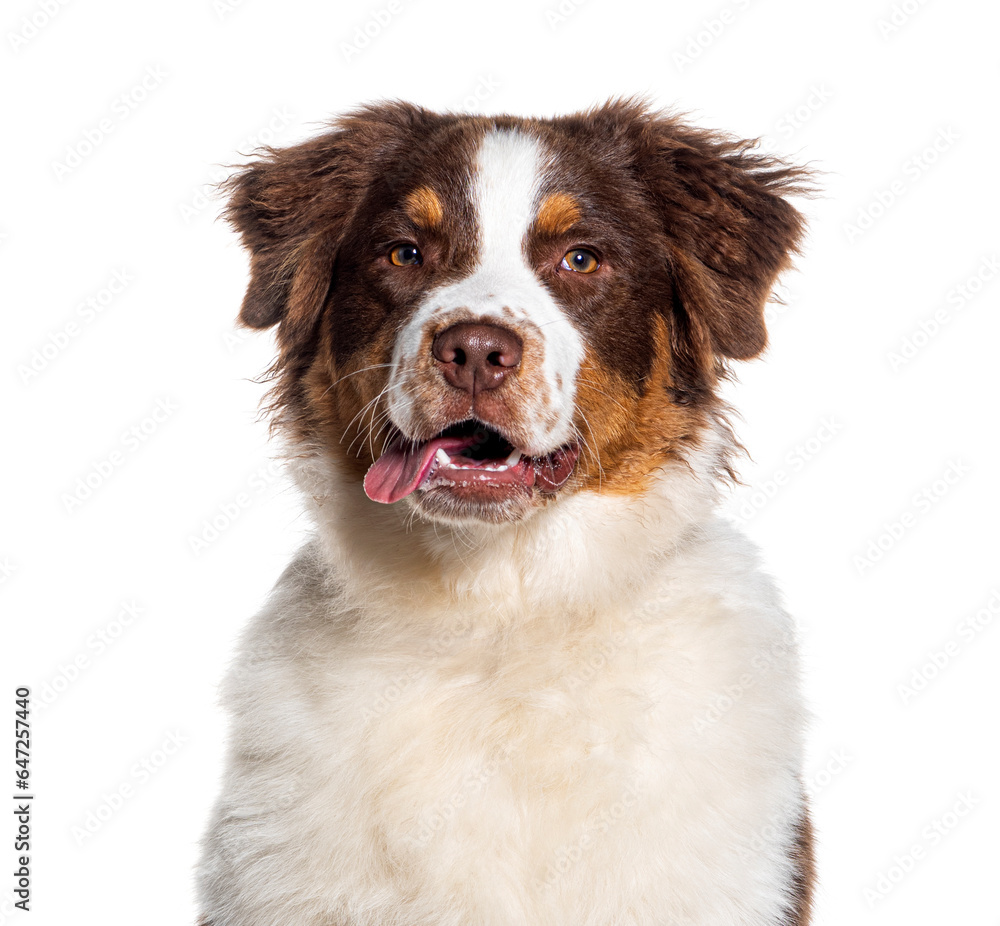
(476, 357)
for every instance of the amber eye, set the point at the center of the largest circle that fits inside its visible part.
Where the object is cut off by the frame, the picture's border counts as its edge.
(580, 260)
(406, 255)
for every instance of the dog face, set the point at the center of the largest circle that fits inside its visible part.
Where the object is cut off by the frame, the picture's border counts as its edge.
(481, 314)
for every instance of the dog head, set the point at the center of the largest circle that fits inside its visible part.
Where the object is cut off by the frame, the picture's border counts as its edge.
(479, 315)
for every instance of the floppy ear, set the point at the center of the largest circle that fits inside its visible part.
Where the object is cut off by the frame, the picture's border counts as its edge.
(292, 206)
(292, 243)
(730, 232)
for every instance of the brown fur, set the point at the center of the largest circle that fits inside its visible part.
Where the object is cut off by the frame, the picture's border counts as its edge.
(804, 860)
(631, 432)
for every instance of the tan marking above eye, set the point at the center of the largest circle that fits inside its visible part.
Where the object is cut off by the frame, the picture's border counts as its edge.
(580, 260)
(558, 214)
(424, 207)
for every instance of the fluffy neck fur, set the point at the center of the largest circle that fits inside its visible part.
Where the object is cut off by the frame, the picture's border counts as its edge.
(584, 553)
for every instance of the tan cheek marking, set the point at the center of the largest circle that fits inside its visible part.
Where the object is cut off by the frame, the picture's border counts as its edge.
(558, 214)
(628, 436)
(424, 207)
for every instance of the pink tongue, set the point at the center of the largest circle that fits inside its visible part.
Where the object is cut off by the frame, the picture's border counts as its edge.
(402, 468)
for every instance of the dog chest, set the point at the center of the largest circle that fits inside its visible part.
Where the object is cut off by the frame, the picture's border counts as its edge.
(552, 755)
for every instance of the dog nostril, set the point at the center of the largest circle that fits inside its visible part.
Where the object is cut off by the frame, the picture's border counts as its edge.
(476, 356)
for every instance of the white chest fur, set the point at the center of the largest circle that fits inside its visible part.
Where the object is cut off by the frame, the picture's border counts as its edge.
(635, 765)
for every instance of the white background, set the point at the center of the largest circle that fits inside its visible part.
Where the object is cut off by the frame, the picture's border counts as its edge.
(872, 489)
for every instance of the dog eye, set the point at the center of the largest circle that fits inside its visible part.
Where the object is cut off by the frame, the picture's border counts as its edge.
(580, 260)
(406, 255)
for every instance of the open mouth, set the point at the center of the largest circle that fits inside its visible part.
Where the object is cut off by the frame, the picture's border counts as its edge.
(466, 455)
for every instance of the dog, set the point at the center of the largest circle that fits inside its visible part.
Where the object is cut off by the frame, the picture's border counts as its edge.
(524, 672)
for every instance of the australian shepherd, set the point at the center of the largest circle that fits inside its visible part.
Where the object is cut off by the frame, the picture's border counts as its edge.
(524, 674)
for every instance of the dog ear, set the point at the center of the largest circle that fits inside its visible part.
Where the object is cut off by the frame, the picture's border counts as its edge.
(272, 206)
(730, 232)
(292, 207)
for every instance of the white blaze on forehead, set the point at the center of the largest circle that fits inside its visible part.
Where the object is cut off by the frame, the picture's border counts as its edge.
(506, 185)
(507, 178)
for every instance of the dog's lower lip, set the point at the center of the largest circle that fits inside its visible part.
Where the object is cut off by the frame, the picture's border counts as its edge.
(406, 467)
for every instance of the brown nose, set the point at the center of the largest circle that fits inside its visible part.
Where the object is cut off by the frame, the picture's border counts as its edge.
(476, 357)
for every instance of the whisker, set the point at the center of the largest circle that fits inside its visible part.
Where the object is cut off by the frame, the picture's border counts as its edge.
(379, 420)
(595, 453)
(374, 366)
(364, 408)
(377, 366)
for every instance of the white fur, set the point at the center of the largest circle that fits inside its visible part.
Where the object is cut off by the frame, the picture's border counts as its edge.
(507, 177)
(587, 718)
